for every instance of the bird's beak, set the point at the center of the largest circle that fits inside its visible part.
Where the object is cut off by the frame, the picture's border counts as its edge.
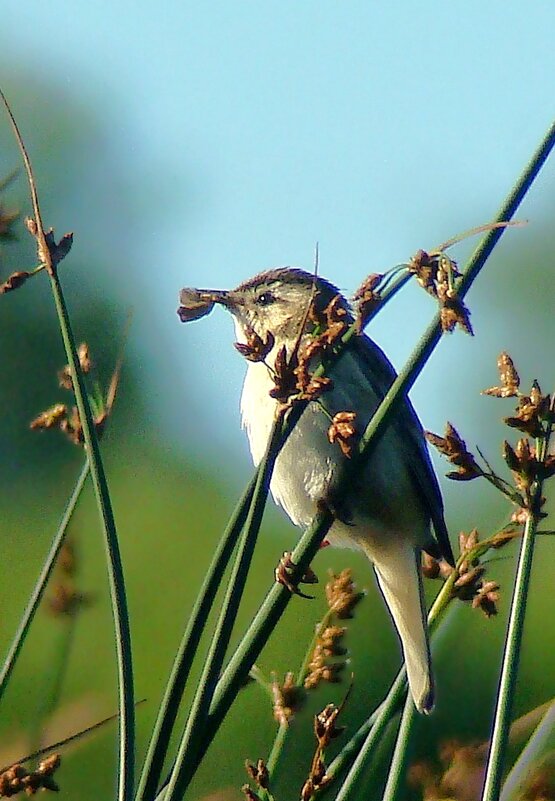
(196, 303)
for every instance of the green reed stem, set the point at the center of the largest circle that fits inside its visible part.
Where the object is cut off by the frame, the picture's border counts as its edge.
(191, 741)
(41, 582)
(48, 255)
(394, 788)
(116, 580)
(511, 659)
(363, 743)
(161, 734)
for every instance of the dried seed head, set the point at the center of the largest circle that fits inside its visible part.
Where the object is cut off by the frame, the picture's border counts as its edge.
(284, 377)
(258, 773)
(343, 430)
(18, 779)
(287, 698)
(341, 594)
(255, 349)
(14, 281)
(454, 448)
(509, 379)
(367, 299)
(320, 668)
(50, 418)
(250, 795)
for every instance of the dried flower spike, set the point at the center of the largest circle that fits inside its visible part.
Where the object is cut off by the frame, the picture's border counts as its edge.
(50, 418)
(366, 299)
(343, 430)
(18, 779)
(258, 773)
(509, 380)
(341, 594)
(255, 349)
(454, 448)
(287, 698)
(194, 305)
(320, 668)
(14, 281)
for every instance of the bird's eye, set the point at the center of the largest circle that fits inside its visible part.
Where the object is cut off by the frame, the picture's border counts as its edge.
(265, 299)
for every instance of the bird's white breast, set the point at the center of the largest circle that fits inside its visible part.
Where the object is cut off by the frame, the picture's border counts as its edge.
(303, 471)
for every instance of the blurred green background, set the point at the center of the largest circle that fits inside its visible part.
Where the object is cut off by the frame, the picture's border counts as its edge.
(188, 186)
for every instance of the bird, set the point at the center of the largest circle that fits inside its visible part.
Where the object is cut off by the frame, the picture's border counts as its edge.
(392, 505)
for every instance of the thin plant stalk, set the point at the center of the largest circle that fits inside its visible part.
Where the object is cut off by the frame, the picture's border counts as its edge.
(161, 734)
(369, 736)
(283, 728)
(542, 739)
(186, 759)
(509, 670)
(394, 788)
(52, 692)
(47, 255)
(42, 581)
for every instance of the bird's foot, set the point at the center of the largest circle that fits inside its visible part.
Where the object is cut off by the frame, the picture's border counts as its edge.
(286, 574)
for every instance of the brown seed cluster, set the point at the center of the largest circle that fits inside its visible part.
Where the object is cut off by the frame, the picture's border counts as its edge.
(509, 382)
(18, 779)
(366, 299)
(65, 599)
(454, 448)
(287, 698)
(341, 594)
(325, 730)
(323, 665)
(255, 349)
(470, 584)
(459, 775)
(293, 375)
(258, 774)
(437, 274)
(343, 431)
(14, 281)
(67, 419)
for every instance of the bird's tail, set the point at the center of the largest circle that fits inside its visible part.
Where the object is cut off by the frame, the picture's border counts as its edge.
(400, 581)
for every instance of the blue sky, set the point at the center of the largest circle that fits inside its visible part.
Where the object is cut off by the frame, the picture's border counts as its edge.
(263, 127)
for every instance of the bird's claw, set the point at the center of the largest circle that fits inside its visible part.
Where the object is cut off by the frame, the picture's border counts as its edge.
(286, 574)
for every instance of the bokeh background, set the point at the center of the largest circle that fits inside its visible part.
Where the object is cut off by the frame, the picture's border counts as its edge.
(196, 144)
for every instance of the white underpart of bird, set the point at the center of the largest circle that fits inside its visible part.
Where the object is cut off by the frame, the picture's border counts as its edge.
(388, 511)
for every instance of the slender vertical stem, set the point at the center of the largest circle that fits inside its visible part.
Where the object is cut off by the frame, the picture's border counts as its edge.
(49, 255)
(113, 557)
(191, 742)
(42, 581)
(511, 658)
(394, 788)
(161, 734)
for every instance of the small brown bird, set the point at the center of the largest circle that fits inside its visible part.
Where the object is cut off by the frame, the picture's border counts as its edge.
(391, 507)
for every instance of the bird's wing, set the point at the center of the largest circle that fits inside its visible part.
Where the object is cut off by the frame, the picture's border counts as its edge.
(380, 374)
